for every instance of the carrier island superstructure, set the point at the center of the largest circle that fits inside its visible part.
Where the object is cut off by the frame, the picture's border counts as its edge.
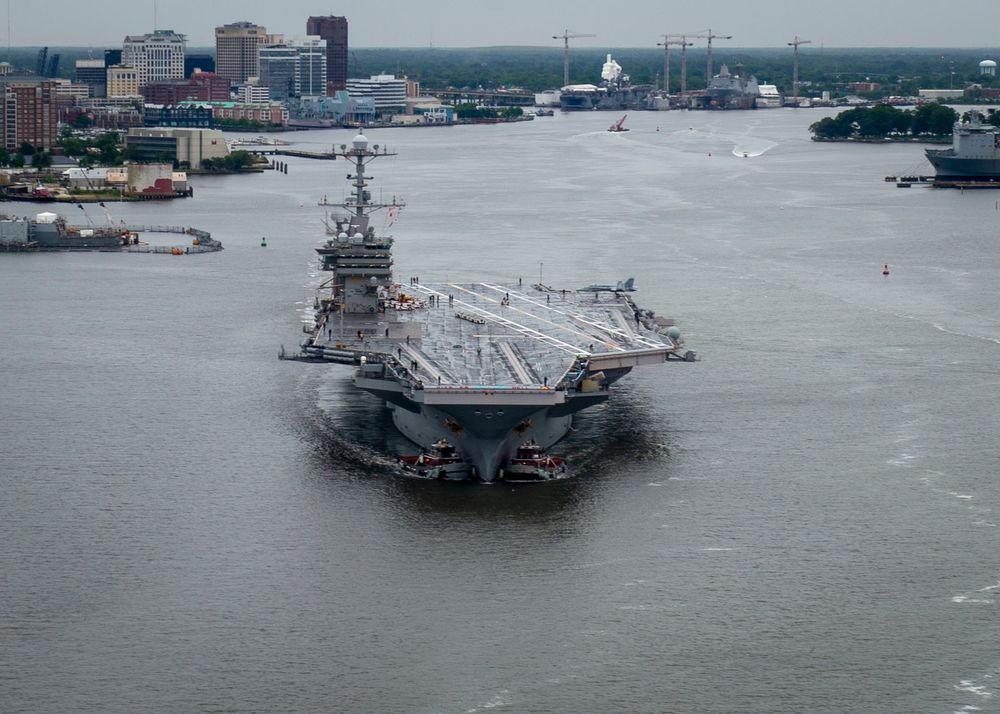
(486, 367)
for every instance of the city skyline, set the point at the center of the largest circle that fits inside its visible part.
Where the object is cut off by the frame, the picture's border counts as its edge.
(770, 23)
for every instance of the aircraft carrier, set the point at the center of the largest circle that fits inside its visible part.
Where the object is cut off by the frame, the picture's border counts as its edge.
(480, 371)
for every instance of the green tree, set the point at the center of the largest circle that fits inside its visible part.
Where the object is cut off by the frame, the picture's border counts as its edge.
(41, 160)
(18, 160)
(830, 128)
(934, 118)
(27, 149)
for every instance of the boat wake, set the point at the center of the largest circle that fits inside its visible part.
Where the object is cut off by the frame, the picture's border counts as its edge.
(745, 149)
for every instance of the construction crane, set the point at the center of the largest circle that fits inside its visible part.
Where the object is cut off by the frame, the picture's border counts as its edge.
(684, 44)
(795, 66)
(566, 36)
(709, 36)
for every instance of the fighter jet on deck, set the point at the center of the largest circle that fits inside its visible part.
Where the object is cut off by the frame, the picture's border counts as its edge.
(623, 286)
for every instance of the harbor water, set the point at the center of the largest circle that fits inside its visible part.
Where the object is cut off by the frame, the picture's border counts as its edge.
(803, 521)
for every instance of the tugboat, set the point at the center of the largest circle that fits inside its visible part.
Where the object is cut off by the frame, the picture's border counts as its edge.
(531, 463)
(618, 125)
(442, 461)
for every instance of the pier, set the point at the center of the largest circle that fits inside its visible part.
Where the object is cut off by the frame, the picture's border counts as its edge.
(934, 182)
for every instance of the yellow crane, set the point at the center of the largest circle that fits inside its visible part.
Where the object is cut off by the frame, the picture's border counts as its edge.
(566, 36)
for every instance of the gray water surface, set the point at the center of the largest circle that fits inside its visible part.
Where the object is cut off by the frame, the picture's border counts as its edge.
(803, 521)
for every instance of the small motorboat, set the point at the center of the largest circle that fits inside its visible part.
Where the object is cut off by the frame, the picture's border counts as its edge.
(441, 461)
(531, 463)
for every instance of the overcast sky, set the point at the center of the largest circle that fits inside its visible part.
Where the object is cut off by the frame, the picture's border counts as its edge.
(454, 23)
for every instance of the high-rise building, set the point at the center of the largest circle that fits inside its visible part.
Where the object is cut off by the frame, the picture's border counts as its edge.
(123, 81)
(278, 67)
(93, 73)
(333, 29)
(155, 57)
(236, 50)
(295, 69)
(311, 79)
(30, 113)
(388, 92)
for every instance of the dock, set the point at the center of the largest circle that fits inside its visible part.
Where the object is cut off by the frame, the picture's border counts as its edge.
(934, 182)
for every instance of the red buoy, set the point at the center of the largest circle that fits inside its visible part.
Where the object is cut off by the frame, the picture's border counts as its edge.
(885, 269)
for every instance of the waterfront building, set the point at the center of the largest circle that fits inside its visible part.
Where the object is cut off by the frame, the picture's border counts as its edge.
(123, 81)
(236, 50)
(388, 92)
(186, 115)
(941, 93)
(104, 116)
(202, 86)
(185, 146)
(93, 73)
(339, 110)
(333, 29)
(30, 113)
(272, 113)
(429, 112)
(252, 93)
(295, 69)
(155, 57)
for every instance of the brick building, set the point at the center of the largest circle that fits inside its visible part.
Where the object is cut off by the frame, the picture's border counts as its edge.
(30, 113)
(333, 29)
(201, 86)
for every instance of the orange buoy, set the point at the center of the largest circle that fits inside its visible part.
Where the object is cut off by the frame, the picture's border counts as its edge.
(885, 269)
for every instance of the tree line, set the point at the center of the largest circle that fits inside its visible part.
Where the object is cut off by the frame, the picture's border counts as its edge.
(883, 121)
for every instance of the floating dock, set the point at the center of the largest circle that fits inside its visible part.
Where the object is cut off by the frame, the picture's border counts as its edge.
(934, 182)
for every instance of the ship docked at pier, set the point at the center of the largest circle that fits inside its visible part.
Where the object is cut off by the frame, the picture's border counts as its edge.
(482, 377)
(974, 154)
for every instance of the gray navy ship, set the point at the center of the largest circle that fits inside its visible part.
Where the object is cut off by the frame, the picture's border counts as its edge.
(974, 154)
(482, 377)
(616, 92)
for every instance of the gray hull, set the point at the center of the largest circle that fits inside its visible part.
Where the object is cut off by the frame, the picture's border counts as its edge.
(488, 448)
(949, 166)
(486, 432)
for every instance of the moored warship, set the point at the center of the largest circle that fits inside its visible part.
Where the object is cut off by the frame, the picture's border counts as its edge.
(616, 92)
(974, 154)
(473, 373)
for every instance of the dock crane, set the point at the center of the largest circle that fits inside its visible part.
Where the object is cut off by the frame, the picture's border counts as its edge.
(709, 36)
(684, 44)
(566, 36)
(795, 66)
